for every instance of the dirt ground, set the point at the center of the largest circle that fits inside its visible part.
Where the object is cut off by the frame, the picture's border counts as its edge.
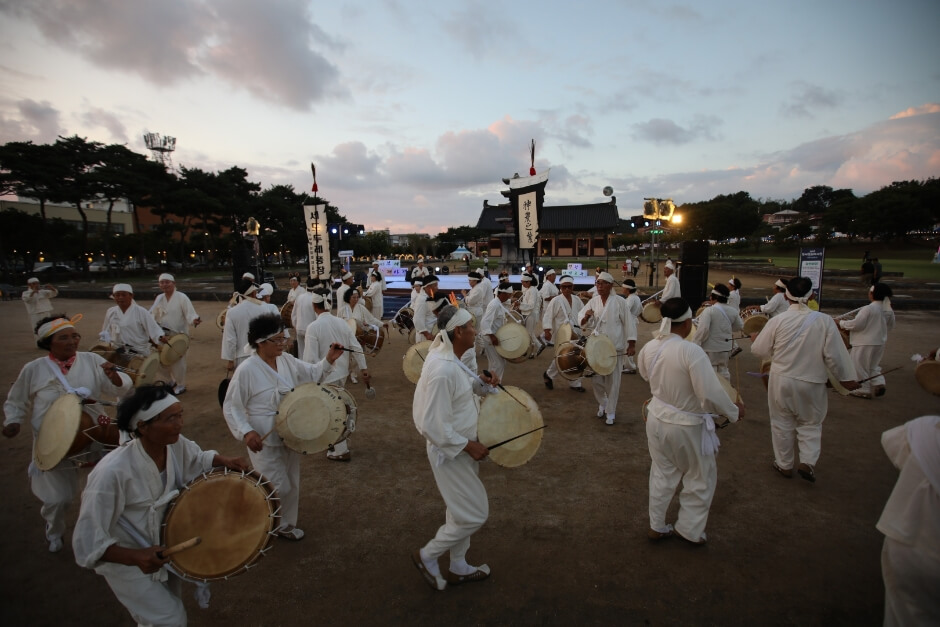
(566, 538)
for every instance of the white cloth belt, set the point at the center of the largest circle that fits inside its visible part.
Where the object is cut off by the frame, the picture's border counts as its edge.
(710, 442)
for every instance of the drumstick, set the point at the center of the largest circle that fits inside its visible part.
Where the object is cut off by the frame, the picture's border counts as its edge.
(351, 350)
(875, 376)
(123, 369)
(498, 444)
(500, 385)
(182, 546)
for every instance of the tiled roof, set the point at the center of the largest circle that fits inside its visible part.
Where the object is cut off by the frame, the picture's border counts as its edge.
(593, 217)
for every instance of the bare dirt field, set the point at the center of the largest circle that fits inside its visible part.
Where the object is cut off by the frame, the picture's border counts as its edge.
(566, 538)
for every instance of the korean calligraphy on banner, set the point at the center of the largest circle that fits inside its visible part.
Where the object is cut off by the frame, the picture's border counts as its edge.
(318, 242)
(528, 220)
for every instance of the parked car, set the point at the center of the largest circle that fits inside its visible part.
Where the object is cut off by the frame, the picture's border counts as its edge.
(54, 271)
(101, 266)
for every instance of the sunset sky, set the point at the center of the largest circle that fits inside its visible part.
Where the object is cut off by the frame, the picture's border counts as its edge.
(413, 111)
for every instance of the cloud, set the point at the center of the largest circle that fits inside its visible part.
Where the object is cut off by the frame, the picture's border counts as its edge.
(95, 117)
(661, 131)
(267, 49)
(480, 30)
(39, 122)
(808, 98)
(932, 107)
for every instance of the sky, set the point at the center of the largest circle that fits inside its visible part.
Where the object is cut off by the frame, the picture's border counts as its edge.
(414, 111)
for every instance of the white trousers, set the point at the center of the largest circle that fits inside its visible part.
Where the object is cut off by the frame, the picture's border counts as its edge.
(719, 362)
(281, 466)
(797, 410)
(607, 388)
(178, 372)
(377, 307)
(467, 506)
(495, 362)
(533, 326)
(151, 603)
(56, 488)
(867, 362)
(301, 337)
(676, 453)
(912, 578)
(553, 373)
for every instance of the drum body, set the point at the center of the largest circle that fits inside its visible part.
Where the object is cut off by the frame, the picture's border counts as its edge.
(286, 310)
(352, 411)
(413, 361)
(844, 334)
(104, 349)
(927, 374)
(370, 339)
(601, 354)
(571, 360)
(651, 313)
(505, 415)
(754, 320)
(404, 319)
(66, 431)
(174, 349)
(234, 513)
(311, 418)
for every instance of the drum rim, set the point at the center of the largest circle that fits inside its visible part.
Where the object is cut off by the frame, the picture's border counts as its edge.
(503, 455)
(73, 416)
(169, 354)
(594, 339)
(922, 375)
(294, 443)
(406, 360)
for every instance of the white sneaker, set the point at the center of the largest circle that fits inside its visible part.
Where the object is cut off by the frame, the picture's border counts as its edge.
(55, 545)
(179, 389)
(610, 420)
(353, 378)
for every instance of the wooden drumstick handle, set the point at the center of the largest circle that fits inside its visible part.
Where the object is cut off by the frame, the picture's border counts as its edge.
(182, 546)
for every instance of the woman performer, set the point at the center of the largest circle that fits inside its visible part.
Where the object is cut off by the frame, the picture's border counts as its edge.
(375, 291)
(868, 333)
(256, 390)
(41, 382)
(358, 312)
(118, 528)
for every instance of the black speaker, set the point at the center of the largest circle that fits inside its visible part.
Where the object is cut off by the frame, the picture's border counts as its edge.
(693, 273)
(244, 260)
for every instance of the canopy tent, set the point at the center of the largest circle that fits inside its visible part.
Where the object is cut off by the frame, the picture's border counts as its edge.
(460, 252)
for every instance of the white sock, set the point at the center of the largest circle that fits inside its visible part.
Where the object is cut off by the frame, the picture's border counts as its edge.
(429, 563)
(461, 567)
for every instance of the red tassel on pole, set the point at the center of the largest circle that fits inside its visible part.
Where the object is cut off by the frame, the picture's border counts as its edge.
(532, 158)
(313, 169)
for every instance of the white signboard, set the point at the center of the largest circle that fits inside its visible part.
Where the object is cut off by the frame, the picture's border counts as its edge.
(345, 253)
(528, 221)
(318, 244)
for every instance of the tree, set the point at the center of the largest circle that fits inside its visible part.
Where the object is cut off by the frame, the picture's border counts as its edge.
(77, 185)
(722, 217)
(30, 171)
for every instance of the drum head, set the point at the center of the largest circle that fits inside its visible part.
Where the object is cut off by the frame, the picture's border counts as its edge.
(503, 417)
(310, 418)
(836, 384)
(413, 362)
(234, 514)
(651, 313)
(729, 389)
(927, 374)
(174, 349)
(754, 322)
(147, 369)
(57, 431)
(565, 333)
(513, 340)
(570, 361)
(601, 354)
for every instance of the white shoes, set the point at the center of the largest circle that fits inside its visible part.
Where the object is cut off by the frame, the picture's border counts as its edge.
(353, 378)
(179, 389)
(610, 420)
(55, 545)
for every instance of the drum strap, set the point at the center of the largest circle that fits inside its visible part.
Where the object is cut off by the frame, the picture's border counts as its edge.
(82, 392)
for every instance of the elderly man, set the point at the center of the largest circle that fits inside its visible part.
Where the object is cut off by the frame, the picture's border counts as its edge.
(868, 333)
(493, 318)
(446, 415)
(419, 271)
(376, 291)
(680, 426)
(635, 307)
(296, 289)
(804, 346)
(321, 334)
(175, 313)
(715, 327)
(342, 307)
(235, 330)
(38, 301)
(128, 325)
(561, 310)
(778, 304)
(424, 318)
(672, 288)
(548, 290)
(531, 309)
(611, 318)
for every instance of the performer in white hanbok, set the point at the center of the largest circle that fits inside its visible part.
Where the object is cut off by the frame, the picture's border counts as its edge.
(613, 319)
(235, 329)
(322, 334)
(257, 389)
(359, 313)
(445, 414)
(174, 312)
(478, 297)
(561, 310)
(424, 318)
(41, 383)
(419, 271)
(734, 297)
(672, 288)
(38, 301)
(549, 290)
(128, 492)
(868, 333)
(635, 307)
(910, 557)
(493, 318)
(530, 306)
(342, 307)
(296, 289)
(128, 325)
(376, 290)
(716, 325)
(302, 314)
(803, 344)
(778, 303)
(680, 425)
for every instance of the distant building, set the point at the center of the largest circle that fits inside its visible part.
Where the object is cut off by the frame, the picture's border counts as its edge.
(122, 220)
(782, 218)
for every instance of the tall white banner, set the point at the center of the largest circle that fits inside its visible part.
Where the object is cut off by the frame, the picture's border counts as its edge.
(528, 220)
(318, 241)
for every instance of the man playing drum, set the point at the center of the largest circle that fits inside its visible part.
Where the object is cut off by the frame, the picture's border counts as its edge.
(802, 345)
(561, 310)
(479, 296)
(257, 389)
(174, 312)
(376, 290)
(322, 334)
(446, 415)
(613, 319)
(680, 426)
(118, 528)
(672, 288)
(40, 383)
(530, 306)
(715, 326)
(424, 318)
(235, 331)
(635, 307)
(734, 295)
(295, 289)
(38, 301)
(128, 325)
(493, 318)
(342, 305)
(868, 335)
(778, 303)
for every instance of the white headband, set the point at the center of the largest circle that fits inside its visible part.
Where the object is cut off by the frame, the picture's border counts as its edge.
(506, 289)
(566, 280)
(460, 318)
(265, 290)
(122, 287)
(802, 299)
(717, 293)
(348, 275)
(780, 284)
(249, 276)
(166, 277)
(669, 265)
(54, 326)
(665, 327)
(605, 276)
(146, 415)
(32, 280)
(318, 298)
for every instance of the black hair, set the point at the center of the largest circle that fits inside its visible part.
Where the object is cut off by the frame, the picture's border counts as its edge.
(46, 342)
(325, 305)
(142, 398)
(723, 297)
(674, 308)
(786, 284)
(881, 291)
(799, 286)
(347, 296)
(446, 314)
(737, 283)
(263, 326)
